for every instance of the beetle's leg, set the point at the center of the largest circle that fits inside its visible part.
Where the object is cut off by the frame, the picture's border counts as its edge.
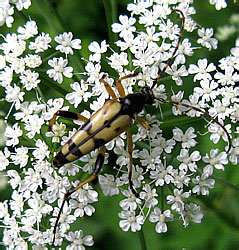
(108, 88)
(130, 150)
(68, 115)
(120, 86)
(142, 122)
(98, 165)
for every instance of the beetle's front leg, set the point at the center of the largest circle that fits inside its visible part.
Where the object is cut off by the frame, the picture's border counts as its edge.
(68, 115)
(98, 166)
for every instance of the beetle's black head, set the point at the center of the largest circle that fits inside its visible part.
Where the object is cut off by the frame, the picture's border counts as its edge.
(149, 96)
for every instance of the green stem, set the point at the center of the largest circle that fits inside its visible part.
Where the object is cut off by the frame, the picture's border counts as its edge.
(226, 183)
(45, 9)
(162, 199)
(142, 239)
(110, 7)
(48, 82)
(219, 212)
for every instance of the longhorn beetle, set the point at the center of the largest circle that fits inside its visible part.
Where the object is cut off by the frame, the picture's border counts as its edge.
(114, 118)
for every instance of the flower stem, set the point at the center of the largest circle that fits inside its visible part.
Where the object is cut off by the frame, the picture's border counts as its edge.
(110, 7)
(219, 212)
(142, 239)
(226, 183)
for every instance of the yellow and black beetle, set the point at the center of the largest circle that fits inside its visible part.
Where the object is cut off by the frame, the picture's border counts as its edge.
(114, 118)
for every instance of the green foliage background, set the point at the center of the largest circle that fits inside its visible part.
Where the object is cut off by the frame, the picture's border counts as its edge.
(89, 20)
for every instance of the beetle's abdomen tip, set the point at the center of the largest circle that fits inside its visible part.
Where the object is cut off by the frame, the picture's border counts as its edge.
(59, 160)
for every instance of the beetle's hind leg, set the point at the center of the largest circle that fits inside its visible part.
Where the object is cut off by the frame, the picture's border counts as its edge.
(98, 166)
(68, 115)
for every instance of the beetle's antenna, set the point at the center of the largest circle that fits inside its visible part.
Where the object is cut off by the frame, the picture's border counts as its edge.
(175, 50)
(204, 113)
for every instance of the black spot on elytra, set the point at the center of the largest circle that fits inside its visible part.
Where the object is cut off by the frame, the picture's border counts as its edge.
(76, 151)
(107, 123)
(117, 129)
(99, 142)
(87, 126)
(71, 144)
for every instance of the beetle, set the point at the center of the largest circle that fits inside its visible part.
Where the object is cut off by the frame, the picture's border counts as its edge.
(114, 118)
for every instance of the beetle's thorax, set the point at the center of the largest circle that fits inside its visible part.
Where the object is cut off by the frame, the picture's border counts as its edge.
(133, 104)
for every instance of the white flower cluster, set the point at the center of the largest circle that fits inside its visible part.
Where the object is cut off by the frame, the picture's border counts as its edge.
(173, 163)
(7, 10)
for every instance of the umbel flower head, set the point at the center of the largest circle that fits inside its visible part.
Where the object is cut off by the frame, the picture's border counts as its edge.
(41, 74)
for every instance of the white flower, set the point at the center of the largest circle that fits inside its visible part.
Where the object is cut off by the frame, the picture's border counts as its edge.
(148, 196)
(130, 202)
(162, 175)
(78, 94)
(33, 61)
(53, 105)
(234, 157)
(29, 79)
(93, 71)
(37, 208)
(58, 130)
(59, 68)
(16, 203)
(6, 76)
(31, 181)
(78, 240)
(6, 12)
(13, 94)
(216, 160)
(4, 162)
(13, 47)
(177, 200)
(81, 208)
(161, 219)
(206, 39)
(130, 221)
(229, 78)
(208, 90)
(30, 29)
(41, 43)
(188, 161)
(169, 30)
(13, 132)
(202, 70)
(15, 178)
(192, 212)
(109, 185)
(4, 209)
(20, 4)
(66, 43)
(218, 132)
(97, 50)
(177, 73)
(126, 27)
(219, 4)
(86, 194)
(187, 138)
(21, 156)
(56, 187)
(202, 184)
(118, 60)
(33, 124)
